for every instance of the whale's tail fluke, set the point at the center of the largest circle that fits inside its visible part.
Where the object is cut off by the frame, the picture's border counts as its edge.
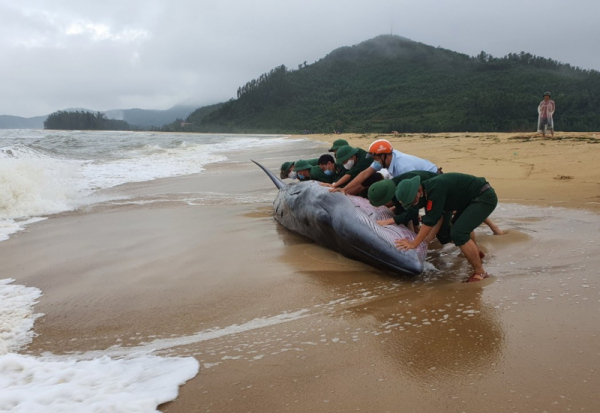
(278, 182)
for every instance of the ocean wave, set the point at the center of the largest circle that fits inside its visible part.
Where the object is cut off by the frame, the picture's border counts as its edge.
(20, 151)
(37, 185)
(45, 173)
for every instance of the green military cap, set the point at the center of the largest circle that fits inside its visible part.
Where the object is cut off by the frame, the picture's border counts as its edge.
(337, 143)
(344, 153)
(406, 191)
(302, 165)
(547, 94)
(382, 192)
(285, 169)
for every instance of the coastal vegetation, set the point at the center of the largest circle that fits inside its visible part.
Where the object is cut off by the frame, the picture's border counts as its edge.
(390, 83)
(83, 120)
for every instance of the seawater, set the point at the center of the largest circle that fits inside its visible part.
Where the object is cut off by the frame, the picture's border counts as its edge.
(48, 172)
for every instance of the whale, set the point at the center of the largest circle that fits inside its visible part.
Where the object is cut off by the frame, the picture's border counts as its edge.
(346, 224)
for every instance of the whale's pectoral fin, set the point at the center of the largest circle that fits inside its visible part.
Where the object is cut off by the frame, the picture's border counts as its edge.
(323, 218)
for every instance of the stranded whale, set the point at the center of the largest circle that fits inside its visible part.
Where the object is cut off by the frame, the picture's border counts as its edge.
(346, 224)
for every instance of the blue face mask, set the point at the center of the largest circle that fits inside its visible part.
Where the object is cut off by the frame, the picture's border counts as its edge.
(328, 173)
(377, 165)
(300, 177)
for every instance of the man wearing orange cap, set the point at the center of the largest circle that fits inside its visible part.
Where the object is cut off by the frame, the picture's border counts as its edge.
(396, 162)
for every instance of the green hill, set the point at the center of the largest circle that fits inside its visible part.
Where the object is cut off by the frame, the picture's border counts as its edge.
(391, 83)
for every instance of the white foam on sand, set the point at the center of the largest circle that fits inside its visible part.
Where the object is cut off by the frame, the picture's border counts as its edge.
(16, 315)
(31, 384)
(137, 383)
(204, 335)
(10, 226)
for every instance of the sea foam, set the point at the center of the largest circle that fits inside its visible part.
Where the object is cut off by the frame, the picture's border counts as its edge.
(31, 385)
(16, 315)
(136, 383)
(35, 184)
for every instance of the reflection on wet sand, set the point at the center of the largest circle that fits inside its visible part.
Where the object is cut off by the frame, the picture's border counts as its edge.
(440, 332)
(428, 330)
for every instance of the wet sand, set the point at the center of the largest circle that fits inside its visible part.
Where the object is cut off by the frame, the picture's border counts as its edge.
(301, 328)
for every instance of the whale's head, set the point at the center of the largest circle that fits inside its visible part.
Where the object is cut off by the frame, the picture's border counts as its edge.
(306, 205)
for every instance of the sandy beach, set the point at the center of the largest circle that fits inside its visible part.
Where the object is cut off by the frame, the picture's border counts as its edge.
(524, 167)
(196, 266)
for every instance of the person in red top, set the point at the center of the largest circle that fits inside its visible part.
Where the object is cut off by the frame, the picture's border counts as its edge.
(545, 112)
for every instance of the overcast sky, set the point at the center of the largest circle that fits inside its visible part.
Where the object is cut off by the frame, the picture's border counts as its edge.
(154, 54)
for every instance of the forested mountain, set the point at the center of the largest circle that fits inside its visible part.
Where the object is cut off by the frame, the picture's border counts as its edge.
(83, 120)
(145, 118)
(195, 118)
(390, 83)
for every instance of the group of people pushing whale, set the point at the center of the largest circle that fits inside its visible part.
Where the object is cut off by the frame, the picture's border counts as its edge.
(454, 203)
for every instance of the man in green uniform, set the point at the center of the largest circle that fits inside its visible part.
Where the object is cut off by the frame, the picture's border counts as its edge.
(337, 144)
(383, 193)
(471, 197)
(330, 168)
(354, 161)
(287, 169)
(307, 172)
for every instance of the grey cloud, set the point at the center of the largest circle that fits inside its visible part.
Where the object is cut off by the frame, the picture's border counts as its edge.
(204, 50)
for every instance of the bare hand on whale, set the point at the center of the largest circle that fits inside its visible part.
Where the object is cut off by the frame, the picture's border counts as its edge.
(405, 245)
(385, 222)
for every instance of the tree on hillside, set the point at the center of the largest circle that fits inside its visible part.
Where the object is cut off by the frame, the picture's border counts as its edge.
(80, 120)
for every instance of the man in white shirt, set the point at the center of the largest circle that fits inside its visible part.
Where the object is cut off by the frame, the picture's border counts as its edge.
(396, 162)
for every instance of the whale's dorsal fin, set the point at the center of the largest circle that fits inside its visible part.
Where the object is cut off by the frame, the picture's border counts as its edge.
(278, 182)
